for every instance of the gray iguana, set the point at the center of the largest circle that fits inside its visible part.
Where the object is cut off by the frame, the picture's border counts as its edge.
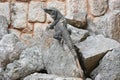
(61, 32)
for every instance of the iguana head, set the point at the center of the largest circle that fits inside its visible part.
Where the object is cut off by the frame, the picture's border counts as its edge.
(53, 12)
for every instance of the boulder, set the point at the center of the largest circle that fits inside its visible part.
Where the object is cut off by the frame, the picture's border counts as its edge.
(3, 26)
(48, 55)
(30, 61)
(38, 76)
(108, 25)
(77, 35)
(109, 67)
(10, 49)
(55, 60)
(94, 48)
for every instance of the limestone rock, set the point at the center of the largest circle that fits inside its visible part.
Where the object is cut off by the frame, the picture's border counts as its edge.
(10, 49)
(5, 10)
(24, 0)
(39, 30)
(76, 13)
(109, 67)
(36, 14)
(98, 7)
(108, 25)
(114, 5)
(49, 55)
(3, 26)
(26, 37)
(78, 20)
(14, 31)
(78, 35)
(75, 6)
(30, 61)
(19, 14)
(57, 4)
(30, 27)
(9, 39)
(55, 60)
(94, 48)
(38, 76)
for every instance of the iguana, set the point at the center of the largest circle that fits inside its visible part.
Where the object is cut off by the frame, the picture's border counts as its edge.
(61, 32)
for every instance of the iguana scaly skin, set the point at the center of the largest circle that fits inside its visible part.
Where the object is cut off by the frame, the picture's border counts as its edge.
(61, 32)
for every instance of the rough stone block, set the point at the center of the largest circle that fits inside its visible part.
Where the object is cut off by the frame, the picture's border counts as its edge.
(30, 61)
(77, 35)
(76, 13)
(3, 26)
(57, 4)
(114, 5)
(74, 7)
(26, 37)
(29, 28)
(19, 14)
(10, 49)
(94, 48)
(39, 29)
(108, 25)
(78, 20)
(98, 7)
(5, 10)
(60, 5)
(109, 67)
(36, 14)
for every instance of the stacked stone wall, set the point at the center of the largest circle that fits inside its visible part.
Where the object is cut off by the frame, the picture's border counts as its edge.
(25, 17)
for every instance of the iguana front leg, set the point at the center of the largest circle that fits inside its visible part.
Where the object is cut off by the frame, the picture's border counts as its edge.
(51, 26)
